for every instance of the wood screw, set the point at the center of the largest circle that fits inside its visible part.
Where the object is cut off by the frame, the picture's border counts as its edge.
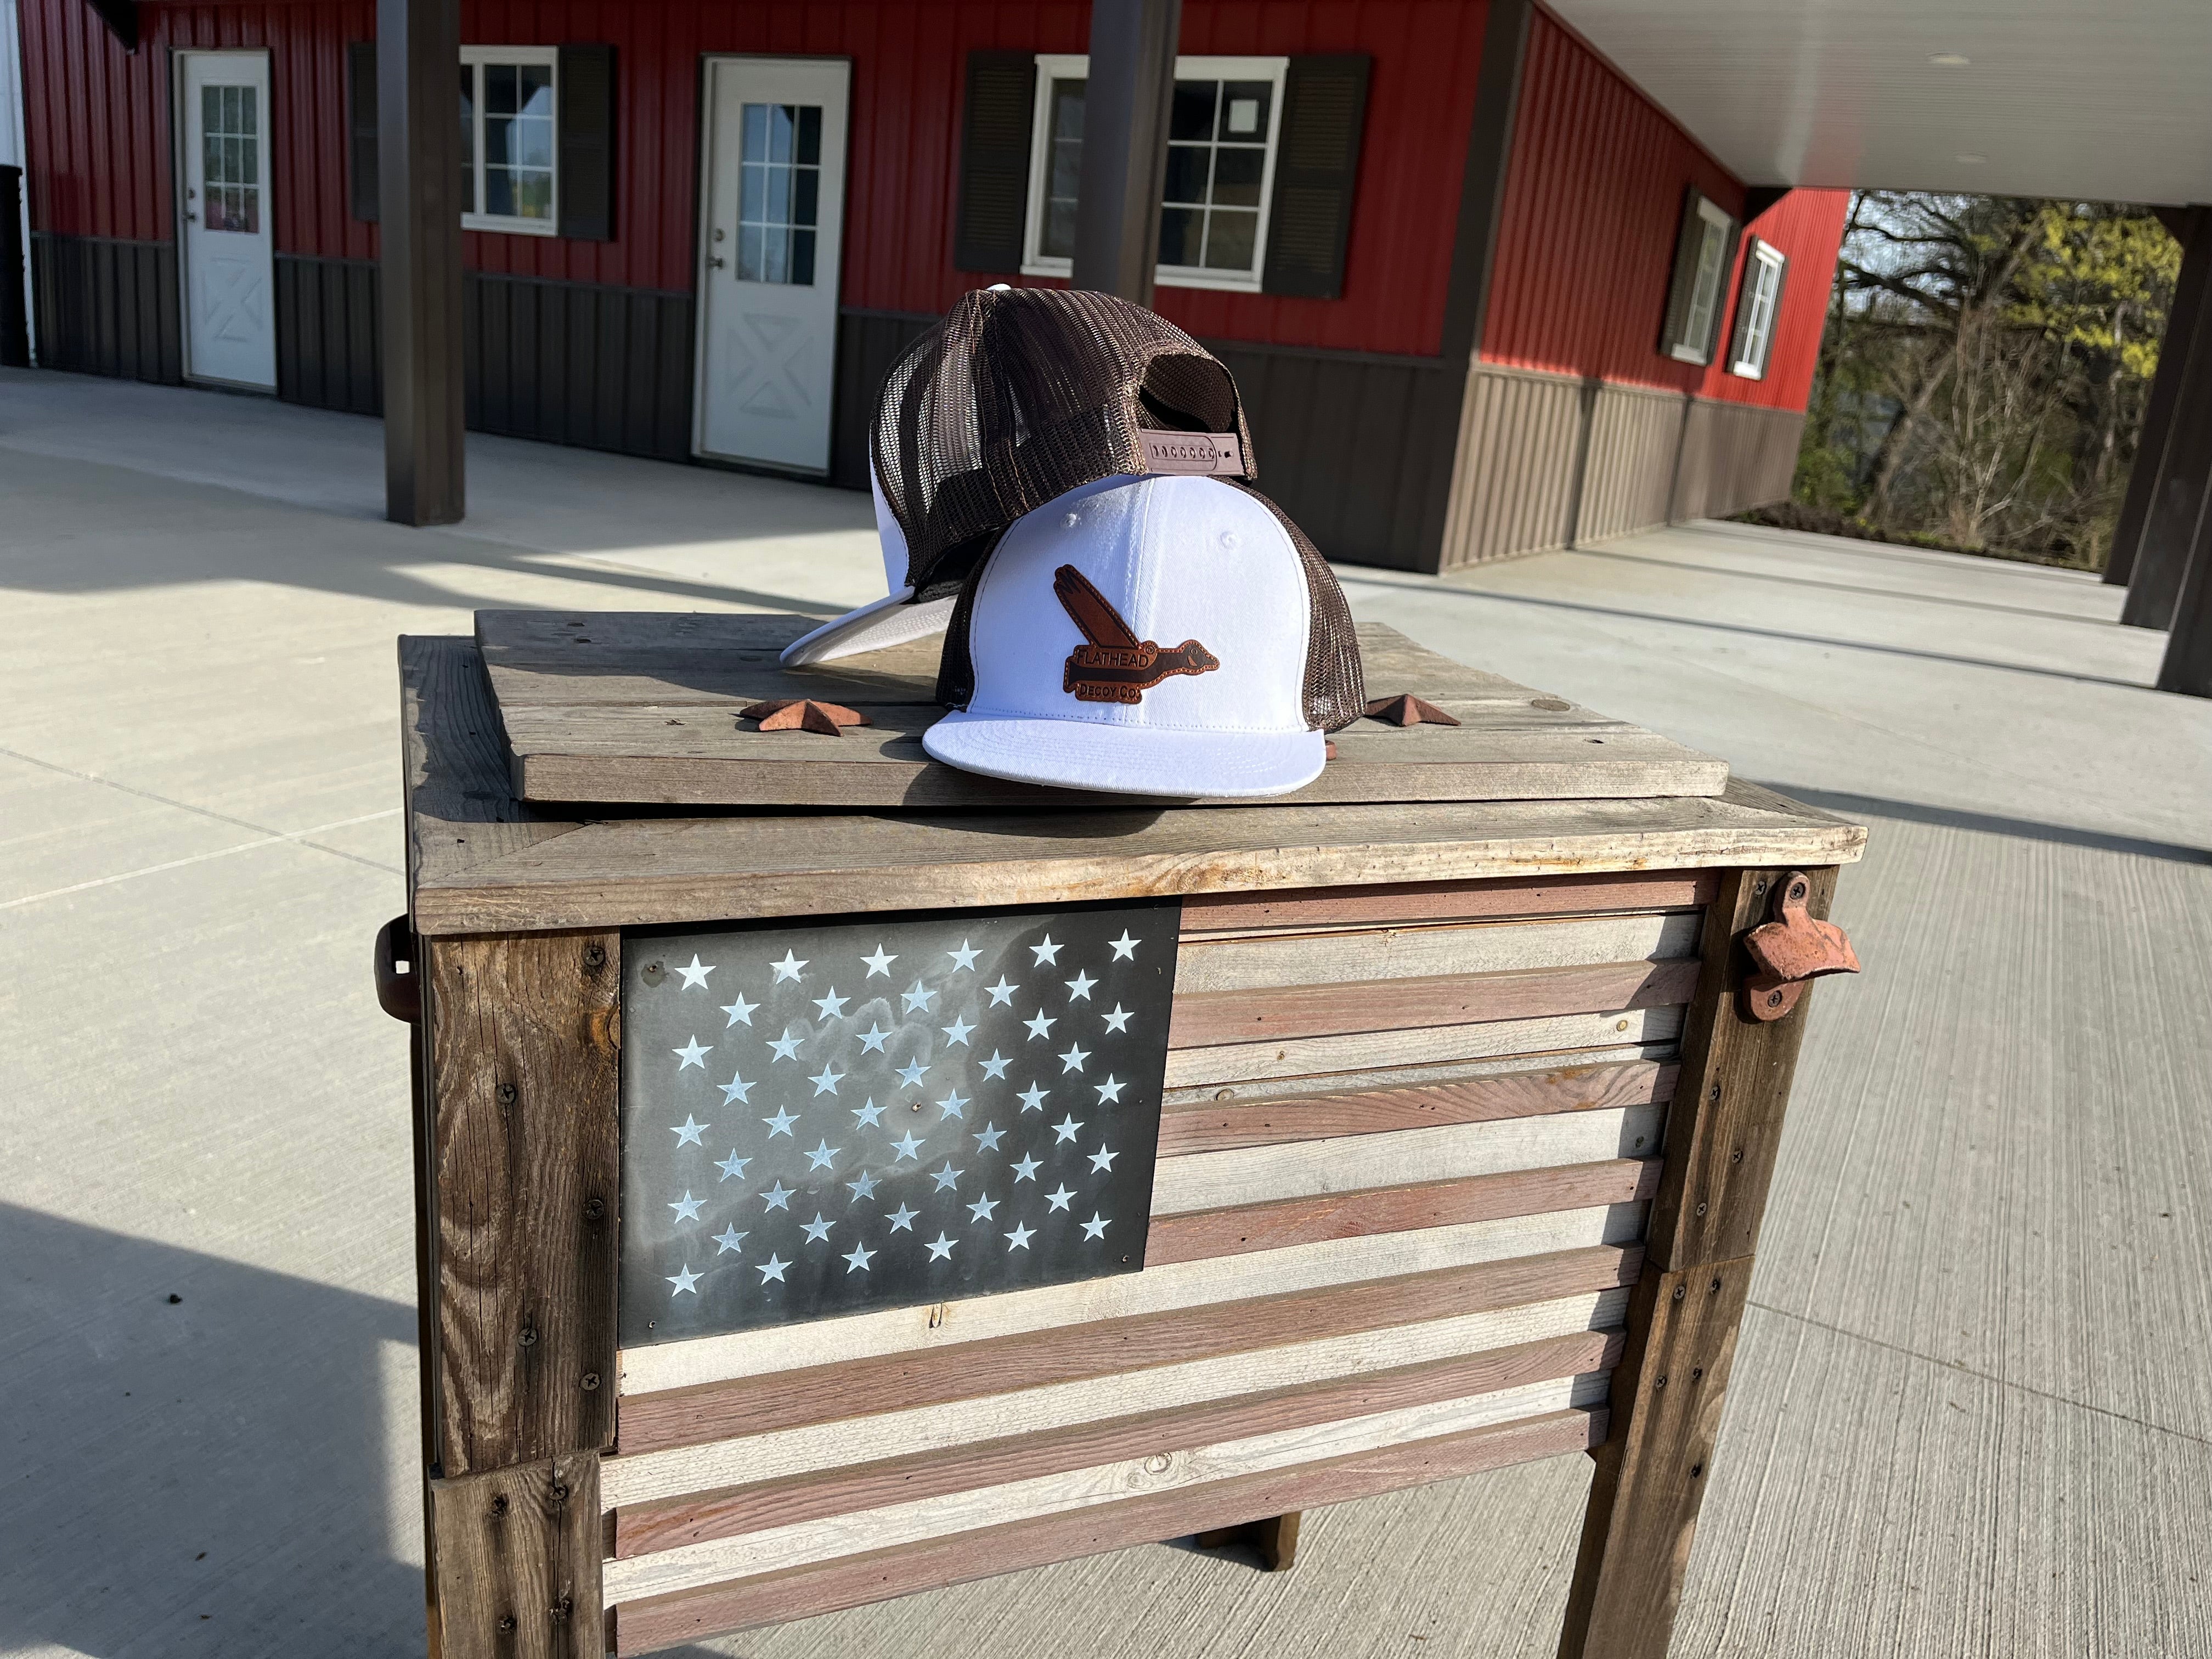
(1701, 1209)
(561, 1608)
(1714, 1287)
(1736, 1156)
(1696, 1373)
(529, 1337)
(1696, 1469)
(1679, 1291)
(506, 1094)
(558, 1493)
(498, 1506)
(1716, 1095)
(1662, 1383)
(507, 1624)
(595, 956)
(591, 1382)
(594, 1209)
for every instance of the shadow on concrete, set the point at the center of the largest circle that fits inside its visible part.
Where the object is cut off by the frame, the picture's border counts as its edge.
(201, 1459)
(1991, 824)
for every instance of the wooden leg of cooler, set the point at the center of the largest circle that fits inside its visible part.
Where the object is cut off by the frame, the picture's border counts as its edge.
(517, 1554)
(1275, 1539)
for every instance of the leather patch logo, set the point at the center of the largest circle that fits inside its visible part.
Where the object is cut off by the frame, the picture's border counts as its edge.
(1115, 665)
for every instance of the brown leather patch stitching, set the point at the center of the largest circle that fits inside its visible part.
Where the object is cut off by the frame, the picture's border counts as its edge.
(1115, 666)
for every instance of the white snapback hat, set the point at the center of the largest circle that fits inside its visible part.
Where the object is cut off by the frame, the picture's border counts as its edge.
(889, 621)
(1156, 635)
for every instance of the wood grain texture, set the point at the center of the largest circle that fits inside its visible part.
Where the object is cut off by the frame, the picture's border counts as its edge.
(516, 1554)
(1651, 1476)
(1204, 1233)
(643, 1626)
(1316, 1057)
(1309, 1169)
(754, 1406)
(639, 1528)
(526, 1145)
(1736, 1073)
(1209, 1019)
(1443, 902)
(1341, 957)
(1204, 1124)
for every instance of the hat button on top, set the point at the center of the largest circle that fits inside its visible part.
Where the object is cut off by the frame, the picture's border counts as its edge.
(1229, 540)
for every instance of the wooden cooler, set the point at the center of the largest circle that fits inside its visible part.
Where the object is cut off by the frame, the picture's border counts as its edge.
(1436, 1103)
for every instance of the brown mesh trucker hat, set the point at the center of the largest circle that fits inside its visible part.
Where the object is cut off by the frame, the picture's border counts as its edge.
(1016, 396)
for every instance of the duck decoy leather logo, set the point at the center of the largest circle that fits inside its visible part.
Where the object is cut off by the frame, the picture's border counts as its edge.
(1115, 665)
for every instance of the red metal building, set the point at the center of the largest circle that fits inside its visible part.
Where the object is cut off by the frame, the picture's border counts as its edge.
(1463, 329)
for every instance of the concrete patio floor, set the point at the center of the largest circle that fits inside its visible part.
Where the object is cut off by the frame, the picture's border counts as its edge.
(1971, 1414)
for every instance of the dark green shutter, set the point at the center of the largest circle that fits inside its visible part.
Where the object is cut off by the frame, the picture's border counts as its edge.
(361, 128)
(1688, 241)
(994, 162)
(1316, 164)
(587, 113)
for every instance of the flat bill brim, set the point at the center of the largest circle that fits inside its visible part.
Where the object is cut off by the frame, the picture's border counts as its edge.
(1127, 759)
(892, 620)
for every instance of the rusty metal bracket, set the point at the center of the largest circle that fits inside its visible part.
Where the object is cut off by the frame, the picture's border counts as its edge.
(399, 989)
(1792, 951)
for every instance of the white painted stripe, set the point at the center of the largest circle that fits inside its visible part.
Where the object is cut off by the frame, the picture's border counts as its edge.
(1156, 1290)
(1417, 952)
(1295, 1057)
(778, 1549)
(648, 1477)
(1394, 1158)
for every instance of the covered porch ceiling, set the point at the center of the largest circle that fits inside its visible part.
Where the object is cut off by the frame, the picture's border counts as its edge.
(2092, 99)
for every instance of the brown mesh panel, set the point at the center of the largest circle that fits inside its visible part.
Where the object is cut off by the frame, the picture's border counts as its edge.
(1335, 687)
(1022, 395)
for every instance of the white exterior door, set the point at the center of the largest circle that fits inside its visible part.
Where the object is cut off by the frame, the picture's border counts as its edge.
(229, 299)
(772, 213)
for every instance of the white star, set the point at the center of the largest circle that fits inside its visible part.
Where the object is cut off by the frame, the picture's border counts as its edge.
(859, 1258)
(740, 1011)
(1078, 989)
(953, 1105)
(902, 1220)
(833, 1005)
(996, 1065)
(773, 1268)
(818, 1230)
(687, 1133)
(1019, 1238)
(1125, 948)
(1002, 994)
(1026, 1170)
(733, 1165)
(983, 1207)
(941, 1250)
(1095, 1227)
(687, 1208)
(910, 1147)
(779, 1124)
(917, 998)
(1032, 1098)
(1102, 1160)
(910, 1074)
(1059, 1199)
(692, 1055)
(947, 1176)
(988, 1139)
(864, 1188)
(1045, 952)
(1066, 1128)
(957, 1031)
(872, 1038)
(879, 964)
(1072, 1061)
(778, 1197)
(787, 1046)
(823, 1155)
(964, 957)
(729, 1238)
(735, 1091)
(1040, 1026)
(788, 969)
(1119, 1019)
(1110, 1090)
(695, 975)
(684, 1280)
(870, 1114)
(825, 1081)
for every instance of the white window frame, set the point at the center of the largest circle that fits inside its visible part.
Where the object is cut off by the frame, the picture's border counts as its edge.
(1762, 288)
(536, 56)
(1052, 66)
(1706, 286)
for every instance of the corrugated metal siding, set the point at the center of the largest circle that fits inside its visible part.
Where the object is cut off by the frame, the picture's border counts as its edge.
(1735, 456)
(1520, 442)
(1807, 225)
(1628, 478)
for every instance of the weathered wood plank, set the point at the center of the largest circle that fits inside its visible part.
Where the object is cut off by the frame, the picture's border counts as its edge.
(1396, 953)
(643, 1626)
(644, 1528)
(1295, 1057)
(517, 1554)
(1201, 1124)
(1272, 1226)
(1444, 901)
(523, 1040)
(1207, 1018)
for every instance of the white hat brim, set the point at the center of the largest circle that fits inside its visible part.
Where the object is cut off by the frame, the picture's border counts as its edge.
(1127, 759)
(892, 620)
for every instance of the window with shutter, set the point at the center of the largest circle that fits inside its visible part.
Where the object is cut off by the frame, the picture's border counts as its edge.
(1756, 308)
(361, 129)
(994, 162)
(1702, 255)
(1324, 110)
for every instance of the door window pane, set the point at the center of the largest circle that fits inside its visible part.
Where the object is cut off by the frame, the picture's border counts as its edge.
(779, 193)
(230, 160)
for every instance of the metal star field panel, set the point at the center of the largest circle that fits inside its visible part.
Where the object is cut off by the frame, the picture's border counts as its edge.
(887, 1111)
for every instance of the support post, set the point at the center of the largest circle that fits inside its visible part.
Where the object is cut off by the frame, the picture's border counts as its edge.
(1125, 145)
(2190, 225)
(14, 313)
(418, 48)
(2187, 665)
(2177, 499)
(1722, 1134)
